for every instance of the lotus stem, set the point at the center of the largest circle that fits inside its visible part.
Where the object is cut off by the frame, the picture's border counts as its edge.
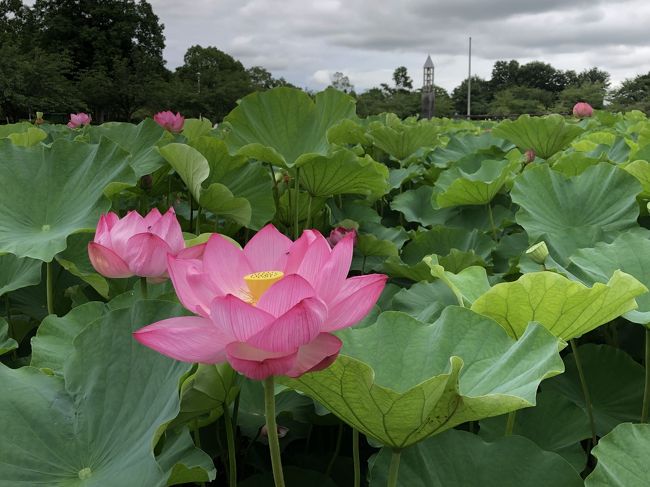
(272, 430)
(585, 391)
(50, 288)
(189, 195)
(232, 453)
(337, 450)
(646, 391)
(198, 221)
(356, 458)
(491, 217)
(143, 288)
(308, 224)
(393, 470)
(296, 229)
(510, 423)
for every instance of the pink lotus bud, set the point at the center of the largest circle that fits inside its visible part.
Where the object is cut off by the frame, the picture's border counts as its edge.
(582, 110)
(136, 245)
(169, 121)
(79, 119)
(338, 233)
(529, 156)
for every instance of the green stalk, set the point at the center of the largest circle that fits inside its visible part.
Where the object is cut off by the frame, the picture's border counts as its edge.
(646, 391)
(50, 288)
(272, 430)
(191, 211)
(494, 228)
(393, 470)
(356, 458)
(308, 224)
(143, 288)
(296, 230)
(198, 220)
(232, 453)
(337, 450)
(510, 424)
(585, 391)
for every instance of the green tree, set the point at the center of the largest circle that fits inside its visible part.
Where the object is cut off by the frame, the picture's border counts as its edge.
(537, 74)
(482, 96)
(261, 79)
(521, 99)
(341, 82)
(402, 80)
(504, 74)
(634, 94)
(590, 92)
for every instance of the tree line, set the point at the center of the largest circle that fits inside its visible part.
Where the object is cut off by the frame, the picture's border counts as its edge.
(105, 57)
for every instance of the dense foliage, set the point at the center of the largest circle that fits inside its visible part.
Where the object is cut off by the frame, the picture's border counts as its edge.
(483, 361)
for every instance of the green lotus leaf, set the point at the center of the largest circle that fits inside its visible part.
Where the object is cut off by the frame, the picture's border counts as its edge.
(471, 181)
(396, 268)
(622, 458)
(193, 128)
(630, 253)
(74, 259)
(467, 285)
(573, 163)
(63, 422)
(554, 424)
(567, 308)
(400, 140)
(184, 462)
(348, 132)
(307, 205)
(397, 177)
(37, 212)
(573, 213)
(617, 152)
(14, 128)
(641, 171)
(415, 205)
(400, 380)
(220, 161)
(458, 458)
(16, 273)
(7, 344)
(545, 135)
(283, 126)
(205, 393)
(53, 341)
(218, 199)
(424, 301)
(461, 146)
(138, 140)
(31, 136)
(615, 382)
(343, 172)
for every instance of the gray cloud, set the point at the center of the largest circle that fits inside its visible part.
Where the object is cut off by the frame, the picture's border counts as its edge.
(302, 40)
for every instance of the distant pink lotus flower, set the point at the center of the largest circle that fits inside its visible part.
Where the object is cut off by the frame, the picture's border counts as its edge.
(169, 121)
(582, 110)
(529, 156)
(79, 119)
(269, 309)
(337, 234)
(136, 246)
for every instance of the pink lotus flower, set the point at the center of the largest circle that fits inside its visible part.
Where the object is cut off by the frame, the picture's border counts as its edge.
(169, 121)
(338, 233)
(269, 309)
(136, 246)
(79, 119)
(582, 110)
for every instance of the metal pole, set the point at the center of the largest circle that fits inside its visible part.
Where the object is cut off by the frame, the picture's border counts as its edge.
(469, 82)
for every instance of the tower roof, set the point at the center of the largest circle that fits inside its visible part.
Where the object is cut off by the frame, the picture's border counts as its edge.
(428, 63)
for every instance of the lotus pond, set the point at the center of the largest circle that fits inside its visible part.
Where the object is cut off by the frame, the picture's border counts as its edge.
(330, 301)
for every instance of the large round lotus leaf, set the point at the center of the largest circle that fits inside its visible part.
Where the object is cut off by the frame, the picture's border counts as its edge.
(568, 309)
(459, 147)
(545, 135)
(615, 381)
(400, 380)
(424, 301)
(97, 425)
(471, 181)
(75, 260)
(554, 424)
(573, 213)
(400, 140)
(51, 192)
(284, 126)
(7, 344)
(622, 458)
(630, 253)
(641, 171)
(138, 140)
(467, 285)
(415, 205)
(461, 459)
(16, 273)
(343, 172)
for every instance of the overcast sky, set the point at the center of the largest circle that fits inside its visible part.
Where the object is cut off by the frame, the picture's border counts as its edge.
(305, 41)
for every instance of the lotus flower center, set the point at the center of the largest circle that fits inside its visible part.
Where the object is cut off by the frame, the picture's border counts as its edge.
(259, 282)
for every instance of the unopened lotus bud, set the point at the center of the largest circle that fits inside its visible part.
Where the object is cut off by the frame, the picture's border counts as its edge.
(538, 253)
(282, 431)
(338, 233)
(582, 110)
(529, 156)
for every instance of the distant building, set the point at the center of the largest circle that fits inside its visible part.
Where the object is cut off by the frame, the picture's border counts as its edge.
(428, 93)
